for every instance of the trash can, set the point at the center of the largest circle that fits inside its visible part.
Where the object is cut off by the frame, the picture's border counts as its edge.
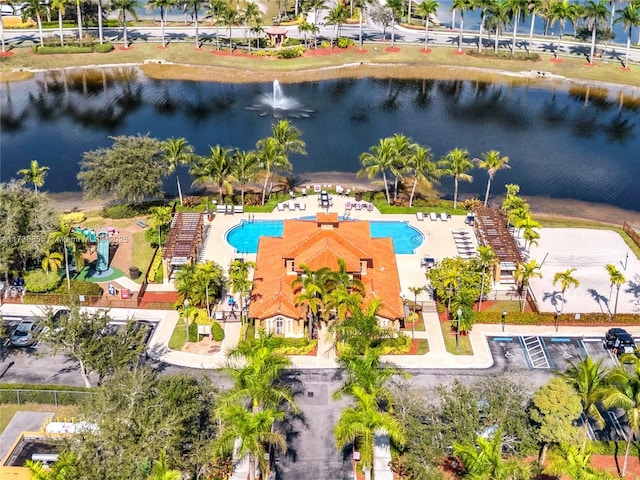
(134, 272)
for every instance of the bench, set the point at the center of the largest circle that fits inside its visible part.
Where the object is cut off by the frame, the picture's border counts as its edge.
(141, 223)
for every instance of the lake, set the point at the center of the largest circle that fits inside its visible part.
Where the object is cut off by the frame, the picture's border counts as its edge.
(570, 141)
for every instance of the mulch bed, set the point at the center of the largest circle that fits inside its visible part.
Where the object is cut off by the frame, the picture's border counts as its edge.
(227, 53)
(392, 49)
(319, 52)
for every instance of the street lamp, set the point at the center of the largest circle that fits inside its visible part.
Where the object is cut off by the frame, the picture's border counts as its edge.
(186, 309)
(504, 318)
(404, 309)
(459, 312)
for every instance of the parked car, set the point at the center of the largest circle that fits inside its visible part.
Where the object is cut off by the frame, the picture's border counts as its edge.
(619, 340)
(25, 333)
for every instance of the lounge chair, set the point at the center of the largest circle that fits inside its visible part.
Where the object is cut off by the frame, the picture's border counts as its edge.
(358, 206)
(292, 205)
(303, 206)
(228, 210)
(221, 209)
(347, 205)
(281, 207)
(370, 207)
(443, 217)
(420, 216)
(339, 189)
(238, 209)
(348, 192)
(433, 217)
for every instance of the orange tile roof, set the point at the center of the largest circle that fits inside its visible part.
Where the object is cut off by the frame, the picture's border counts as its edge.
(313, 243)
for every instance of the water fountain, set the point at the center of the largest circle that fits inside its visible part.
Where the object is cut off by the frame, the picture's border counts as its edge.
(279, 105)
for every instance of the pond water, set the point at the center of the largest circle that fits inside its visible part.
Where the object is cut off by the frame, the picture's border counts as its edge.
(565, 142)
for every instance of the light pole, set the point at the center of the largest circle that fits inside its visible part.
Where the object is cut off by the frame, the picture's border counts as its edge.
(504, 318)
(404, 310)
(459, 312)
(555, 320)
(186, 309)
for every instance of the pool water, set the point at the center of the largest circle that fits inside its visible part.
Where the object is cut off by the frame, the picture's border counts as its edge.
(245, 236)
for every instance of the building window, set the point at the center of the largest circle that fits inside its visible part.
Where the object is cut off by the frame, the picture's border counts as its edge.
(279, 326)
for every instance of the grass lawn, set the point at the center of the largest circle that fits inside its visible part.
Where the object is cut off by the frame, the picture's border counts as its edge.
(500, 306)
(423, 346)
(179, 334)
(242, 68)
(417, 327)
(450, 341)
(8, 410)
(142, 254)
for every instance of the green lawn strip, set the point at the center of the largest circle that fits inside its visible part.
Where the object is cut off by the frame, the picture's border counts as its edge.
(423, 346)
(179, 335)
(500, 306)
(8, 410)
(142, 254)
(449, 336)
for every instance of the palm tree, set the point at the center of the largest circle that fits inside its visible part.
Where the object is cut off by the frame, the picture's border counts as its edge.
(575, 463)
(34, 174)
(498, 18)
(72, 242)
(625, 395)
(462, 6)
(216, 11)
(249, 434)
(492, 162)
(313, 287)
(402, 151)
(270, 156)
(379, 159)
(229, 18)
(239, 279)
(523, 274)
(337, 16)
(366, 372)
(161, 471)
(425, 9)
(34, 8)
(163, 5)
(484, 460)
(424, 169)
(316, 6)
(487, 258)
(64, 468)
(59, 5)
(304, 28)
(252, 16)
(99, 15)
(616, 277)
(534, 8)
(244, 168)
(395, 7)
(160, 216)
(560, 11)
(589, 381)
(256, 380)
(530, 236)
(516, 7)
(52, 261)
(124, 7)
(194, 7)
(358, 425)
(566, 280)
(456, 164)
(484, 6)
(288, 138)
(597, 14)
(176, 152)
(629, 16)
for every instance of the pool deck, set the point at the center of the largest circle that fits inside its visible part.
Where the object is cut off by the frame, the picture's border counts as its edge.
(438, 238)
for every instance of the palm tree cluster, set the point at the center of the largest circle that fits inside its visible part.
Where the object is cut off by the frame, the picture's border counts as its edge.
(248, 412)
(224, 166)
(598, 388)
(327, 294)
(518, 213)
(595, 15)
(359, 337)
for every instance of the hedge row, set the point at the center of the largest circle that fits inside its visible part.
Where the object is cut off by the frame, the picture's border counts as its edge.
(67, 49)
(528, 318)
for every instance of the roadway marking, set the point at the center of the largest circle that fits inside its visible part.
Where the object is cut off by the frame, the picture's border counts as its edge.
(616, 424)
(536, 353)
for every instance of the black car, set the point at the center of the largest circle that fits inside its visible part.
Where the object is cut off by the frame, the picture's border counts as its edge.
(619, 340)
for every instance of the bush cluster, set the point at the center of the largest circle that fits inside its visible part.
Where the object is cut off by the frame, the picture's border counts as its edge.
(73, 218)
(291, 52)
(40, 50)
(522, 56)
(529, 318)
(345, 42)
(217, 332)
(155, 267)
(39, 281)
(80, 287)
(296, 346)
(104, 48)
(398, 345)
(129, 210)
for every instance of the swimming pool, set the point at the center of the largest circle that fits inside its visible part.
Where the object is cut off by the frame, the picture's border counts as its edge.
(245, 236)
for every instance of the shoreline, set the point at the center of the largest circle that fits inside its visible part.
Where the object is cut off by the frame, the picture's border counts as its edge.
(540, 206)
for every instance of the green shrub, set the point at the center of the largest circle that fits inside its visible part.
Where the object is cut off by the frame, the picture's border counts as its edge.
(523, 56)
(292, 42)
(120, 211)
(73, 218)
(39, 281)
(80, 287)
(345, 42)
(530, 318)
(296, 346)
(64, 50)
(399, 345)
(152, 275)
(325, 44)
(291, 52)
(104, 48)
(217, 332)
